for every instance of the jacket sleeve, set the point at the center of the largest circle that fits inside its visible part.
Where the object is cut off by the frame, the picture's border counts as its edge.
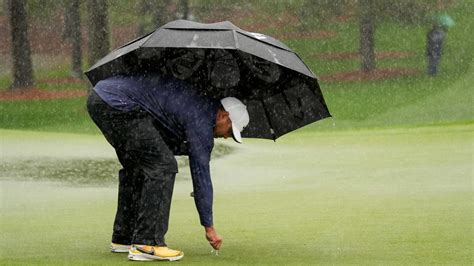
(200, 144)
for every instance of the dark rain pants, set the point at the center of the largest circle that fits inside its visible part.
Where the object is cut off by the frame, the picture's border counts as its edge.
(147, 178)
(433, 62)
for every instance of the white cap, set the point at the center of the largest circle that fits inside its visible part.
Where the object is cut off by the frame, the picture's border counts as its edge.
(238, 115)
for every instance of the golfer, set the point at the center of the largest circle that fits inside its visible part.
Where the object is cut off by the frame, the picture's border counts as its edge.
(434, 45)
(148, 120)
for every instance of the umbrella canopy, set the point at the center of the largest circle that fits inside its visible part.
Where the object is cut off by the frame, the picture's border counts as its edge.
(446, 21)
(221, 60)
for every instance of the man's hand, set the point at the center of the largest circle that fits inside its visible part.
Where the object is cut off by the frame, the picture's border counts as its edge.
(214, 239)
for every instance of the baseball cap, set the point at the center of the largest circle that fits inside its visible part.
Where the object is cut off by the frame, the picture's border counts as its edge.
(238, 116)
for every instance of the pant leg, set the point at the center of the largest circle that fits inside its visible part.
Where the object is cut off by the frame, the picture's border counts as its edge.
(153, 217)
(147, 180)
(159, 168)
(433, 62)
(129, 194)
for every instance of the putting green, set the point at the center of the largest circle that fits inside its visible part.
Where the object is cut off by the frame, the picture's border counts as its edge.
(393, 196)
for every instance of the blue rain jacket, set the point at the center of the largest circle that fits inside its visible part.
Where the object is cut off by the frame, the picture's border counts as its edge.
(183, 116)
(434, 43)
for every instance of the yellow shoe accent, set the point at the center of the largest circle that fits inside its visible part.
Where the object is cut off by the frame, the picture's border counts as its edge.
(146, 253)
(167, 252)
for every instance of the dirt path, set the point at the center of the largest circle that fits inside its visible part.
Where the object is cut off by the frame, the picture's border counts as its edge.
(38, 94)
(378, 74)
(355, 55)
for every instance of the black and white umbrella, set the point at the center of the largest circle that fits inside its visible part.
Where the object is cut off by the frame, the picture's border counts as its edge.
(220, 59)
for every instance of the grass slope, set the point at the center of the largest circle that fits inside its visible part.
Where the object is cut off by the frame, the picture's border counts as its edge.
(399, 196)
(451, 105)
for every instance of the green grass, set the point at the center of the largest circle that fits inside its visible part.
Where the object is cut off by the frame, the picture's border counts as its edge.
(410, 102)
(370, 197)
(47, 115)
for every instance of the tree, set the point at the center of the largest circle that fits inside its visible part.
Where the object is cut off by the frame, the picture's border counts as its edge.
(153, 14)
(98, 32)
(368, 13)
(73, 34)
(143, 7)
(21, 51)
(184, 8)
(162, 14)
(367, 34)
(372, 12)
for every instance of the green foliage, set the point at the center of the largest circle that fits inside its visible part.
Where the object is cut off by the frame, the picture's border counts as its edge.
(43, 10)
(218, 3)
(410, 12)
(123, 13)
(353, 104)
(3, 8)
(315, 12)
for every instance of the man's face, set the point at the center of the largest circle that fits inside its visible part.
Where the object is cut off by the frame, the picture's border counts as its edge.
(223, 128)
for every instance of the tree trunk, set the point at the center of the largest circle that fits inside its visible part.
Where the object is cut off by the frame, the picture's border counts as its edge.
(161, 13)
(98, 32)
(21, 51)
(367, 34)
(73, 34)
(184, 7)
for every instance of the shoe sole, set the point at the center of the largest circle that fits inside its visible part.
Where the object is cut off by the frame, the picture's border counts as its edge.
(135, 257)
(119, 248)
(146, 257)
(119, 251)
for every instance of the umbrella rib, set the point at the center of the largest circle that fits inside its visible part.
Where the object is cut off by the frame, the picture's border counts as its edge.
(309, 69)
(235, 39)
(272, 131)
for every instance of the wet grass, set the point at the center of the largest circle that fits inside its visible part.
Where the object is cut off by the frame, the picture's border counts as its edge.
(65, 115)
(410, 102)
(76, 170)
(368, 197)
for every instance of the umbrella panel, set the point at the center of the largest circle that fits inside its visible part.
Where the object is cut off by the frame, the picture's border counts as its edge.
(273, 54)
(295, 107)
(217, 72)
(258, 126)
(214, 39)
(124, 65)
(224, 25)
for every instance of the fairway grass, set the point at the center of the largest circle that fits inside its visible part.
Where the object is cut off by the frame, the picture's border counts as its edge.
(391, 197)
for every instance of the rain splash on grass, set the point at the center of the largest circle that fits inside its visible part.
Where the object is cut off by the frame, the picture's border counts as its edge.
(69, 167)
(366, 197)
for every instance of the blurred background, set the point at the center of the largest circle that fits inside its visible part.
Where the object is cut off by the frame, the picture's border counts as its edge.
(370, 56)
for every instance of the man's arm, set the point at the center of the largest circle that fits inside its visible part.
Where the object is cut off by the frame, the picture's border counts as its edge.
(202, 187)
(200, 145)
